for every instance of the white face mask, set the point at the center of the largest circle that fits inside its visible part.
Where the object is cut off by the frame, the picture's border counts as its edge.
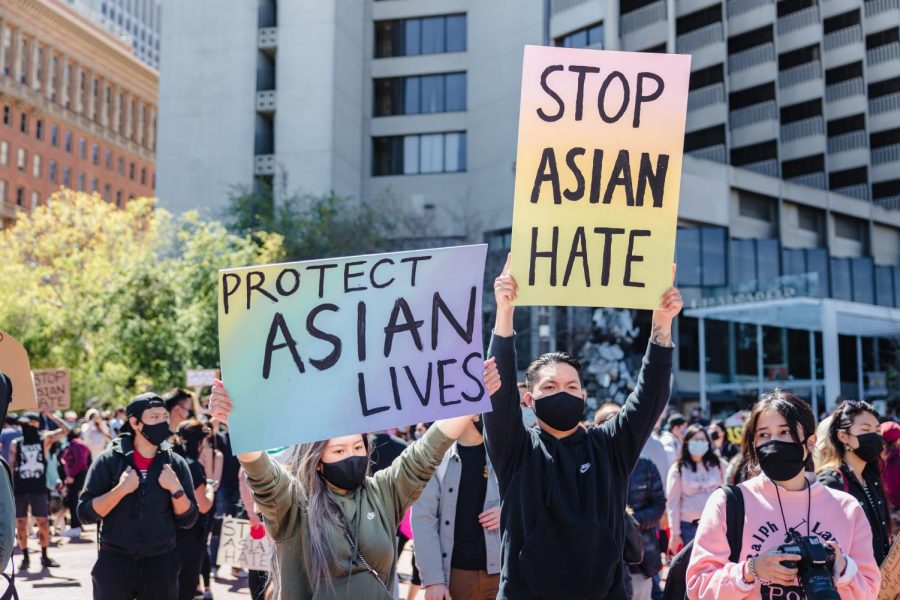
(698, 447)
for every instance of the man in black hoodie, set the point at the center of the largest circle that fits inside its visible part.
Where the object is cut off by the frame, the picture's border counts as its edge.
(142, 492)
(563, 488)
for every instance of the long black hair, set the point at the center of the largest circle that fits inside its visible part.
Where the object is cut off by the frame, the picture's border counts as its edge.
(192, 433)
(710, 459)
(842, 420)
(795, 412)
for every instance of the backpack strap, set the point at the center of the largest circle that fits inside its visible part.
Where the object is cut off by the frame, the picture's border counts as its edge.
(734, 520)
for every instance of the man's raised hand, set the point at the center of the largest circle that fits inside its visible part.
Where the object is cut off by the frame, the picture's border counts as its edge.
(491, 376)
(220, 405)
(506, 289)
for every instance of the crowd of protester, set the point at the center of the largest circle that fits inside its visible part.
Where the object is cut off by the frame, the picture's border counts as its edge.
(527, 501)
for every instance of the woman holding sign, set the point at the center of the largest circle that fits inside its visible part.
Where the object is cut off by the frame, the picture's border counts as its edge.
(333, 525)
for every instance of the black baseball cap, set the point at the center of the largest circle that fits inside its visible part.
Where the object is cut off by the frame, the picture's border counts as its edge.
(141, 403)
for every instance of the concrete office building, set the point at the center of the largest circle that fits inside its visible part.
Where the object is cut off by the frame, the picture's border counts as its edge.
(789, 246)
(136, 21)
(78, 109)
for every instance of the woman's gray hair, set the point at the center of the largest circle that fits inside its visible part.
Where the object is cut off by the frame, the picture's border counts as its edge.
(322, 513)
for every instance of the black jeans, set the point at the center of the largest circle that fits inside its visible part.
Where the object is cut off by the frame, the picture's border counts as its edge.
(71, 499)
(191, 548)
(257, 582)
(123, 578)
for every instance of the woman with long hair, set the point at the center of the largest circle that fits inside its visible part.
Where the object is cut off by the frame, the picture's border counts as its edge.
(693, 477)
(718, 433)
(334, 527)
(852, 464)
(782, 502)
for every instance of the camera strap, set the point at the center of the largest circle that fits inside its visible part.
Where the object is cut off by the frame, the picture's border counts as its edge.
(787, 529)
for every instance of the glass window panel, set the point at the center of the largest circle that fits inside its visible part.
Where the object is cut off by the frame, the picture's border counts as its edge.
(433, 35)
(817, 263)
(745, 348)
(714, 270)
(743, 265)
(688, 344)
(462, 151)
(432, 93)
(794, 261)
(456, 91)
(687, 253)
(384, 89)
(410, 155)
(767, 268)
(595, 36)
(412, 38)
(884, 286)
(798, 354)
(579, 39)
(412, 95)
(840, 279)
(456, 33)
(716, 331)
(451, 153)
(863, 284)
(896, 287)
(432, 153)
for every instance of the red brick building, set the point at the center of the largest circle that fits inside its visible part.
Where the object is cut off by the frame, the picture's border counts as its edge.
(77, 109)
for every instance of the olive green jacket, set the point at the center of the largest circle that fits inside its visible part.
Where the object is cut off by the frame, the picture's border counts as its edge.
(373, 512)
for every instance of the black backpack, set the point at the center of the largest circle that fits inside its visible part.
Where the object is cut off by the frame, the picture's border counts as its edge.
(676, 582)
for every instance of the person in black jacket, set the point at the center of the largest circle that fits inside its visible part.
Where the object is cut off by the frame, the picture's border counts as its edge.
(855, 440)
(563, 487)
(142, 493)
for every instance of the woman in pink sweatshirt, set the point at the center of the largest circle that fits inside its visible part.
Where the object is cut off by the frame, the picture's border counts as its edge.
(785, 497)
(698, 472)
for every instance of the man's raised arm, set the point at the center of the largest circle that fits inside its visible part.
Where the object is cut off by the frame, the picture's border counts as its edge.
(504, 430)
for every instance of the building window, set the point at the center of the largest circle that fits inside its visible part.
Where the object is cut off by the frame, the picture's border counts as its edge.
(21, 158)
(143, 176)
(80, 181)
(2, 191)
(131, 171)
(107, 192)
(39, 129)
(20, 196)
(67, 177)
(809, 218)
(428, 35)
(94, 185)
(7, 115)
(755, 264)
(587, 37)
(35, 200)
(849, 228)
(23, 123)
(884, 285)
(4, 153)
(95, 154)
(419, 154)
(420, 94)
(811, 262)
(68, 142)
(757, 206)
(108, 160)
(54, 136)
(702, 256)
(82, 149)
(36, 166)
(51, 171)
(119, 198)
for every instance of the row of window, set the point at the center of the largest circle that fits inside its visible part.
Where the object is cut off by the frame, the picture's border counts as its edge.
(708, 258)
(421, 94)
(425, 35)
(586, 37)
(74, 87)
(21, 192)
(419, 154)
(21, 162)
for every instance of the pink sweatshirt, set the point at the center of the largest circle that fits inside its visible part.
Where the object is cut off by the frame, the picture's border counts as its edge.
(687, 492)
(834, 516)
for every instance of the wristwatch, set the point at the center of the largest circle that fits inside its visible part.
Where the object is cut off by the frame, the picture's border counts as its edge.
(178, 494)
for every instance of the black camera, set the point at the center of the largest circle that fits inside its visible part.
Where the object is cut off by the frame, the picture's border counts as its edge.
(815, 567)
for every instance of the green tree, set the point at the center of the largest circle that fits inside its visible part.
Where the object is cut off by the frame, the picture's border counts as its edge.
(126, 299)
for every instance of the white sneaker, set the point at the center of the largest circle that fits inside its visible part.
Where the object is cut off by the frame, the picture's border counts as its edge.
(72, 532)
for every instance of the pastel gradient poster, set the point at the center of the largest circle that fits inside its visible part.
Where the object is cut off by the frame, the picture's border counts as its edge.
(598, 171)
(318, 349)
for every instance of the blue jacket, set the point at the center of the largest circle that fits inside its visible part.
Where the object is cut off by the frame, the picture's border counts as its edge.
(647, 499)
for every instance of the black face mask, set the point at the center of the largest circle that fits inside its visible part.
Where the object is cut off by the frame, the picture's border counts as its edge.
(156, 434)
(561, 411)
(715, 436)
(781, 461)
(871, 446)
(479, 425)
(348, 473)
